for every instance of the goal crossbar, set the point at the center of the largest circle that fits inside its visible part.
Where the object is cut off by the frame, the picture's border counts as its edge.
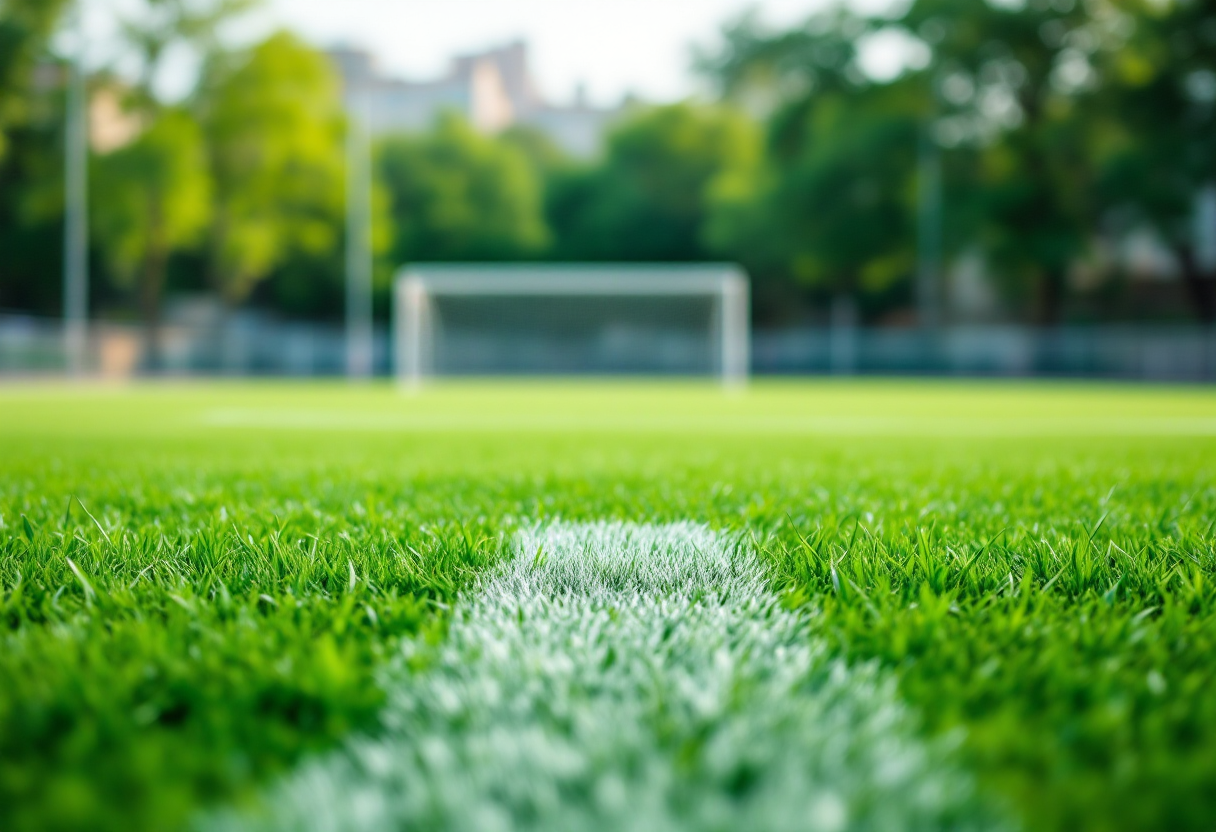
(418, 287)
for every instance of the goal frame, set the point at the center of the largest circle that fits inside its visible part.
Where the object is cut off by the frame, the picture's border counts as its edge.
(416, 285)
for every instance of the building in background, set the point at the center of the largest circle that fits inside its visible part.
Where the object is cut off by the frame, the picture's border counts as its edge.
(112, 125)
(494, 90)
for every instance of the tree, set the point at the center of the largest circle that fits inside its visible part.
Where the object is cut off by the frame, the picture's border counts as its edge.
(832, 209)
(273, 124)
(160, 25)
(1008, 77)
(1001, 90)
(647, 199)
(152, 198)
(1158, 110)
(31, 160)
(25, 26)
(455, 194)
(31, 212)
(837, 214)
(541, 151)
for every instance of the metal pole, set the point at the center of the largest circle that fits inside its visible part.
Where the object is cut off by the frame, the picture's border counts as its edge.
(359, 338)
(1205, 227)
(842, 338)
(929, 231)
(76, 215)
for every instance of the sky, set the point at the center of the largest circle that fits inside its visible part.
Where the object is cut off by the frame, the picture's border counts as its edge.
(609, 47)
(613, 47)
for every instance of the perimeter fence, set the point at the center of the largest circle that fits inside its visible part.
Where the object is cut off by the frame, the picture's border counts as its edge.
(253, 345)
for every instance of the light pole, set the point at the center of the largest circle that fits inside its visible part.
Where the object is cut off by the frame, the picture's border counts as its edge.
(360, 345)
(76, 200)
(929, 230)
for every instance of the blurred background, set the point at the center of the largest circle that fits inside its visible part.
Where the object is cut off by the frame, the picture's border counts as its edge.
(1005, 187)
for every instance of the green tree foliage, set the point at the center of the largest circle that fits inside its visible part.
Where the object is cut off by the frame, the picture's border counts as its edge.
(31, 208)
(999, 93)
(837, 213)
(455, 194)
(158, 26)
(151, 199)
(273, 124)
(1157, 107)
(543, 154)
(1008, 77)
(31, 239)
(833, 208)
(1059, 125)
(30, 161)
(24, 28)
(647, 200)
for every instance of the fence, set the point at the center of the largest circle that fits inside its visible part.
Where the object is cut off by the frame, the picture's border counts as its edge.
(1164, 353)
(252, 345)
(245, 345)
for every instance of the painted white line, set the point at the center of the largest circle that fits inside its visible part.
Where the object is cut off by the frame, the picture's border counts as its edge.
(629, 677)
(930, 426)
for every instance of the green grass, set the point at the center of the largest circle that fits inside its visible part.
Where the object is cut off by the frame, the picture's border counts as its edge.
(199, 583)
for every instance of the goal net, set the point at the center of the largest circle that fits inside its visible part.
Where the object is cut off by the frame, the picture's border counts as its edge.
(571, 320)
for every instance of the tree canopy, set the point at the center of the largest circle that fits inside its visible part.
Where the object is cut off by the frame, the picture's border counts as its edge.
(1060, 129)
(25, 26)
(152, 198)
(455, 194)
(648, 198)
(273, 126)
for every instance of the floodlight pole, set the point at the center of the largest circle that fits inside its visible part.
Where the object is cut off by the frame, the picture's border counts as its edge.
(929, 230)
(76, 201)
(1205, 226)
(360, 345)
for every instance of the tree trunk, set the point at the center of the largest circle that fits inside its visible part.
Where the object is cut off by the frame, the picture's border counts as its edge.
(151, 287)
(218, 238)
(1049, 297)
(215, 277)
(1200, 287)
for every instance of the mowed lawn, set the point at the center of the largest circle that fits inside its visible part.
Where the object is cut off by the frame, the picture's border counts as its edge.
(201, 583)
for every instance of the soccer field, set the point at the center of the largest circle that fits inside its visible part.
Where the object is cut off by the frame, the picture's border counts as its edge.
(811, 605)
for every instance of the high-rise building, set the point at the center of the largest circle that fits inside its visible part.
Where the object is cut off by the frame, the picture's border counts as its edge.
(493, 89)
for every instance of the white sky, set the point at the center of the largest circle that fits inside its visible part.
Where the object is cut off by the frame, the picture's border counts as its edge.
(612, 46)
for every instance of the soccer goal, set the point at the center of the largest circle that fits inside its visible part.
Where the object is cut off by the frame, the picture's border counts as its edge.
(538, 319)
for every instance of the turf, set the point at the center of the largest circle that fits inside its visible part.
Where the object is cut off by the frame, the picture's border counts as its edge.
(200, 584)
(631, 676)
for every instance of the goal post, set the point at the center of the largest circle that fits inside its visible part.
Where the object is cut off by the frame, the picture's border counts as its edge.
(527, 319)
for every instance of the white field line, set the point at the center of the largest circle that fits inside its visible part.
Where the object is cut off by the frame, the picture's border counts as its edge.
(929, 426)
(629, 677)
